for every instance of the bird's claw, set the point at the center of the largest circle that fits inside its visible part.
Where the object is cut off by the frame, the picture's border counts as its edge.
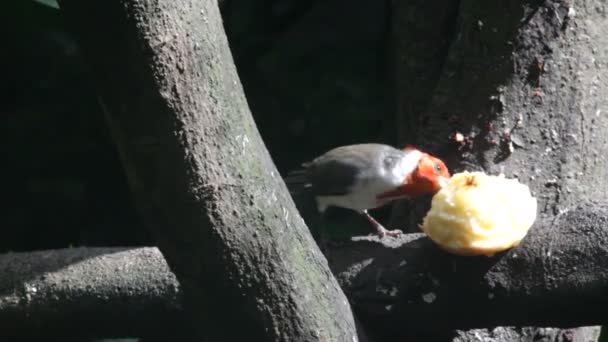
(382, 232)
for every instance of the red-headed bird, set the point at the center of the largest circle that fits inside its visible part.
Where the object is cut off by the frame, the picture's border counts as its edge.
(366, 176)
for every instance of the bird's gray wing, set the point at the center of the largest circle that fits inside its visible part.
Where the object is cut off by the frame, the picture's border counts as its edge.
(336, 171)
(334, 177)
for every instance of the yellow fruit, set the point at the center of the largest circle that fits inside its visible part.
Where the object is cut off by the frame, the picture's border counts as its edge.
(480, 214)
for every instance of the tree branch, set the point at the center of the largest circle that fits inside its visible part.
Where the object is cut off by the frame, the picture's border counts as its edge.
(86, 293)
(557, 277)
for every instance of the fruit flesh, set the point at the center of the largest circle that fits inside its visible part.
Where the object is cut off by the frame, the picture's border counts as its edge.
(480, 214)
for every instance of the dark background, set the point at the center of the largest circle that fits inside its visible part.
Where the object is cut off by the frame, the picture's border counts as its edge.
(315, 76)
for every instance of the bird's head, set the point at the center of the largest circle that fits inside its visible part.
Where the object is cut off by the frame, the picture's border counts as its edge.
(428, 176)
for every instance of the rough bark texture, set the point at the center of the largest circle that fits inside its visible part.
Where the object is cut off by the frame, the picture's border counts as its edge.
(501, 334)
(393, 287)
(556, 277)
(88, 293)
(201, 175)
(540, 64)
(524, 82)
(422, 31)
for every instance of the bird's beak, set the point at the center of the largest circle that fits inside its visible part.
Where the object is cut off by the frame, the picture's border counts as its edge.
(443, 181)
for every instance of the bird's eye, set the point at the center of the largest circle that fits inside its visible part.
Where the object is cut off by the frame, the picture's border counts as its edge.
(438, 168)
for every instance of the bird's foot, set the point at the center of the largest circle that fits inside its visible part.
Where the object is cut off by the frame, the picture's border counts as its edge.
(382, 232)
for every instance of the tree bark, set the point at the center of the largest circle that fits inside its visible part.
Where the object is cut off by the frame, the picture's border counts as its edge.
(88, 293)
(522, 81)
(202, 176)
(557, 277)
(561, 282)
(500, 334)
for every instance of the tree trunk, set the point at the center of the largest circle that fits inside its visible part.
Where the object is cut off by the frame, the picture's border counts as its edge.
(524, 83)
(202, 176)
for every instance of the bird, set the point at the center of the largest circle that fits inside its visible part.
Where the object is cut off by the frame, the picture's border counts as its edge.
(365, 176)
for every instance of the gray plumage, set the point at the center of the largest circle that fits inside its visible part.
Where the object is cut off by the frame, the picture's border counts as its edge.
(337, 170)
(354, 177)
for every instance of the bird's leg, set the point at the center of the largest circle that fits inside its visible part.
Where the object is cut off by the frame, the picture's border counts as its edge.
(381, 231)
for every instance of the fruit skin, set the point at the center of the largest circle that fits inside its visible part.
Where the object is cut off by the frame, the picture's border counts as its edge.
(480, 214)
